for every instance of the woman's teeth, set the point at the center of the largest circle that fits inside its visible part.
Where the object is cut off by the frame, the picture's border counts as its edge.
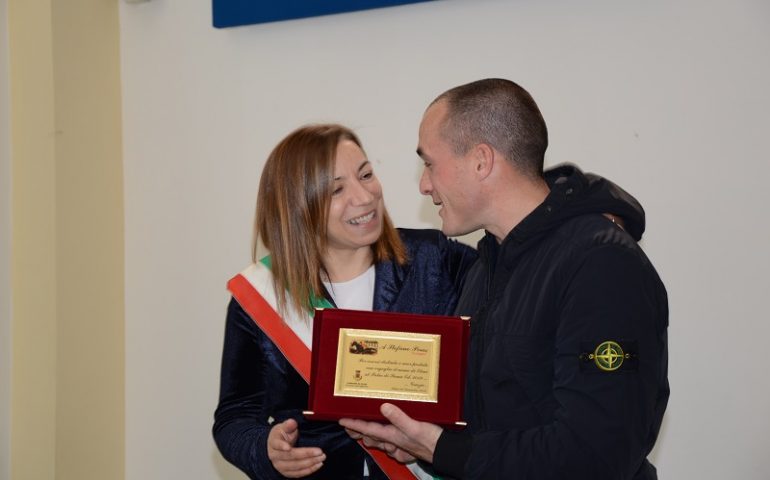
(362, 219)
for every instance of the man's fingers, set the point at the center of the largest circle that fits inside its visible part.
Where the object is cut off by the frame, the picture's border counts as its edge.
(353, 434)
(392, 450)
(368, 429)
(403, 438)
(351, 424)
(403, 456)
(396, 416)
(371, 442)
(399, 421)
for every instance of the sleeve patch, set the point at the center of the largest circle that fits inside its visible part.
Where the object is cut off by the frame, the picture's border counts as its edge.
(609, 356)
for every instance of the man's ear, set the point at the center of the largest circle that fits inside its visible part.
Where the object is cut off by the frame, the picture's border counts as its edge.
(484, 160)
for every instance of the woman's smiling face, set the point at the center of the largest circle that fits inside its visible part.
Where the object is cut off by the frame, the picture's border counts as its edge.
(356, 208)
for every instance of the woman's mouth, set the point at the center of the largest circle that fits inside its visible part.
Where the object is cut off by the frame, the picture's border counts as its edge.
(362, 219)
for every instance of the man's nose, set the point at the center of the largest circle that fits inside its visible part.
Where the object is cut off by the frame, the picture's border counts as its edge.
(425, 186)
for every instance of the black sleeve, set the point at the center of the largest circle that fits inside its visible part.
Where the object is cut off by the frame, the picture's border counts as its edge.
(240, 423)
(451, 454)
(458, 259)
(606, 421)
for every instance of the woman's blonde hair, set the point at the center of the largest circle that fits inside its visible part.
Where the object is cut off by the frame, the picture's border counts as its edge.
(292, 212)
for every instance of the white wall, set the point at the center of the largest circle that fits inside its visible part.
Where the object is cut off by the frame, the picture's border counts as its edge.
(5, 250)
(667, 98)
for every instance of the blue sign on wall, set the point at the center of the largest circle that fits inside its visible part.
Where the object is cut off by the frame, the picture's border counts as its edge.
(230, 13)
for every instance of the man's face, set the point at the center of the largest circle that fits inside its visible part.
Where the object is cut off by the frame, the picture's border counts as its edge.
(356, 208)
(447, 177)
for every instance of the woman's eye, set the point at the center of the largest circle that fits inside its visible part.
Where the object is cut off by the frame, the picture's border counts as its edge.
(337, 191)
(367, 175)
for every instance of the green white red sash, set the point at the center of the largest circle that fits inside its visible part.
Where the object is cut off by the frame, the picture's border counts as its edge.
(253, 290)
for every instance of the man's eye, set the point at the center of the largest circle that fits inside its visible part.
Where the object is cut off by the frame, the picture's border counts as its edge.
(367, 175)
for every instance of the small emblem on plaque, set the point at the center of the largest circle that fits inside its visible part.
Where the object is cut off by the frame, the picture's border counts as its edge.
(363, 347)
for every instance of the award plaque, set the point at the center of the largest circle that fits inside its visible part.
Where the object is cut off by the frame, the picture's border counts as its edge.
(361, 360)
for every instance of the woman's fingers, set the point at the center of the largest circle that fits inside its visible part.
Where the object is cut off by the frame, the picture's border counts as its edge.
(299, 462)
(290, 461)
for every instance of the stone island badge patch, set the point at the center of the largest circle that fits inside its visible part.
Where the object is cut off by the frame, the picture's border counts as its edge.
(608, 356)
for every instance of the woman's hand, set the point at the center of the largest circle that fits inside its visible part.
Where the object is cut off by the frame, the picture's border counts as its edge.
(289, 461)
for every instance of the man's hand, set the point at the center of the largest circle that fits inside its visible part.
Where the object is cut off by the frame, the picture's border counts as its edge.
(289, 461)
(404, 439)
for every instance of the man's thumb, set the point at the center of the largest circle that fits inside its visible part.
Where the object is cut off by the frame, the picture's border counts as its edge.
(394, 415)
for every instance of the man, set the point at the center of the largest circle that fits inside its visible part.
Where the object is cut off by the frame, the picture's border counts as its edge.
(567, 370)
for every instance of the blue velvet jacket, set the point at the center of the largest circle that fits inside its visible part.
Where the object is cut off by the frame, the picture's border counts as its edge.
(257, 383)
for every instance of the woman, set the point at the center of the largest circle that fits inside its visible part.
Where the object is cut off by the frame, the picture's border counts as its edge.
(320, 213)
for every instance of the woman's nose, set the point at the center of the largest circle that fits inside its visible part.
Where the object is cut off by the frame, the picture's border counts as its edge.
(361, 195)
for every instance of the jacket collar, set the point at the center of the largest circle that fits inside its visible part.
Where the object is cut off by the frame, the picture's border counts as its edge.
(572, 193)
(389, 279)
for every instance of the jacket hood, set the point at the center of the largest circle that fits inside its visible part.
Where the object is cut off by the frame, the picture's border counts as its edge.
(595, 194)
(574, 193)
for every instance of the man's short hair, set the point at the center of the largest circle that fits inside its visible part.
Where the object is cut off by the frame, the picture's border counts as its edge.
(500, 113)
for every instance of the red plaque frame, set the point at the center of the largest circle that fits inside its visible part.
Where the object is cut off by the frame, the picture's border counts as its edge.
(323, 404)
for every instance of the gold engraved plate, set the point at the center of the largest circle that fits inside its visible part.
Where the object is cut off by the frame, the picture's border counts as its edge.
(387, 365)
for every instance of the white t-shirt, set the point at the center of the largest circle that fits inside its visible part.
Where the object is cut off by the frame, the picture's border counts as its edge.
(355, 294)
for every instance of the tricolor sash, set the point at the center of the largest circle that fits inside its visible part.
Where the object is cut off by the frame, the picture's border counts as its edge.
(253, 290)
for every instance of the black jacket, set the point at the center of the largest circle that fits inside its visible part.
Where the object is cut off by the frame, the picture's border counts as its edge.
(563, 282)
(258, 383)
